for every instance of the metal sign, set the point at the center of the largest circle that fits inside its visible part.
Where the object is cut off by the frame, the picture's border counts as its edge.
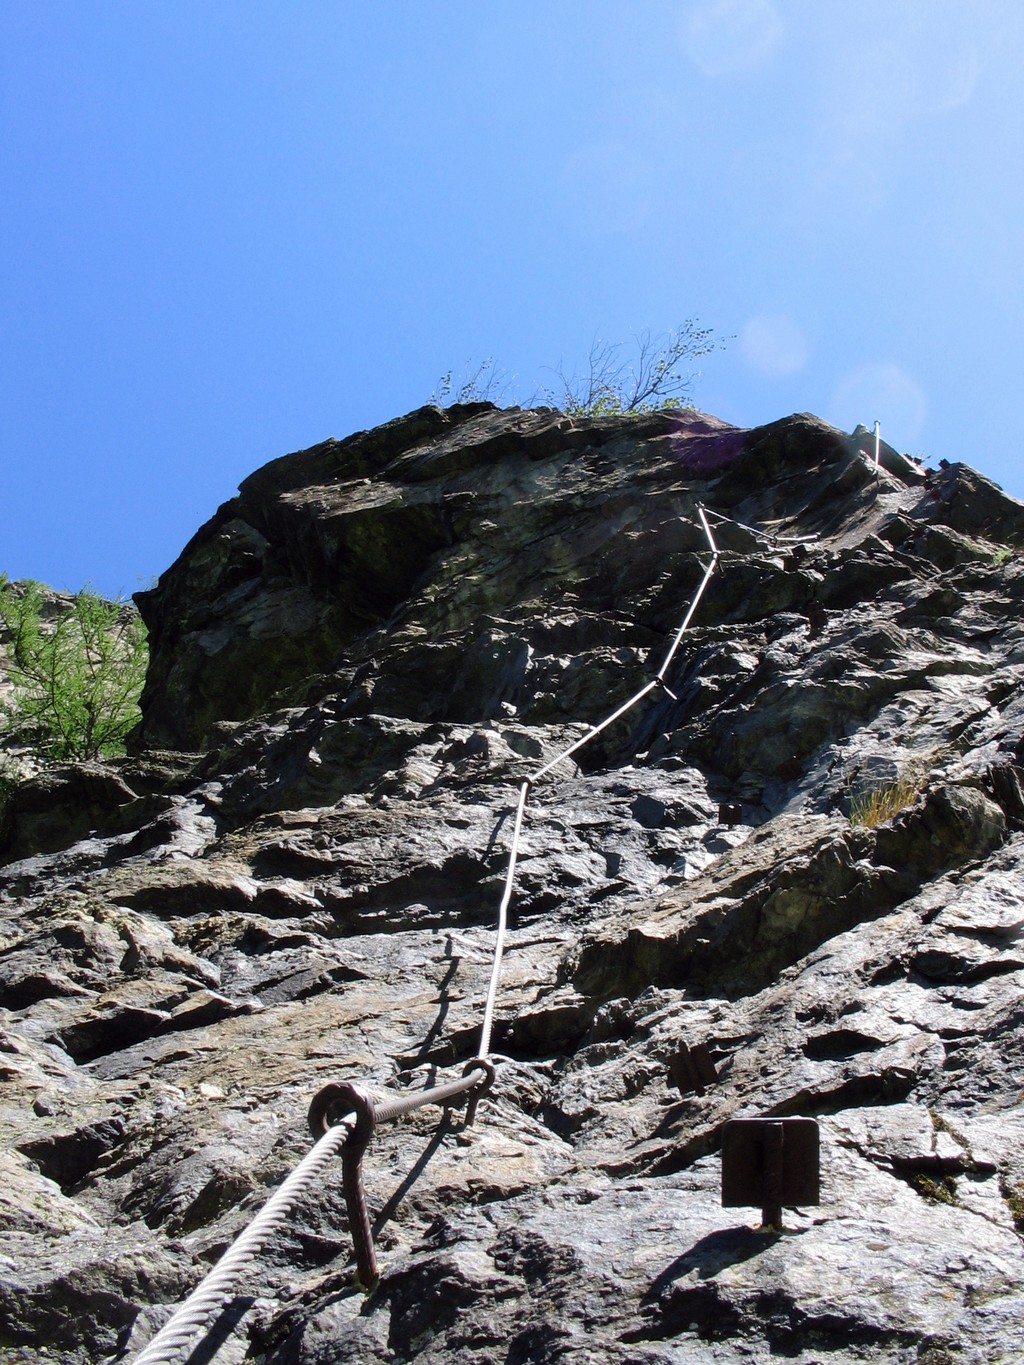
(768, 1163)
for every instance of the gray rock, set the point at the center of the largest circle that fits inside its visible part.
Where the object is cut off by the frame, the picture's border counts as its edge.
(807, 855)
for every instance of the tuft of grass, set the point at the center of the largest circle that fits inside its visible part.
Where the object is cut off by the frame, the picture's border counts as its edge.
(941, 1191)
(879, 805)
(1013, 1196)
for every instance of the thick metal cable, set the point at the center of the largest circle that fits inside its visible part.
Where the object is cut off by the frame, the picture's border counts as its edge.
(697, 596)
(437, 1094)
(773, 536)
(658, 678)
(201, 1305)
(593, 731)
(198, 1309)
(657, 681)
(499, 942)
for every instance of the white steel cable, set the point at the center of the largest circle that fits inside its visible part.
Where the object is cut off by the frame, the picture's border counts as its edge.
(699, 594)
(212, 1293)
(594, 730)
(763, 535)
(524, 791)
(199, 1308)
(659, 677)
(499, 943)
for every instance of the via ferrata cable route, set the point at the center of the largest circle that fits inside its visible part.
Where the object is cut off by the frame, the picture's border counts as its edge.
(342, 1117)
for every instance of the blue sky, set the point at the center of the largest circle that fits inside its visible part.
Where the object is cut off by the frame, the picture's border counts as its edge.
(232, 228)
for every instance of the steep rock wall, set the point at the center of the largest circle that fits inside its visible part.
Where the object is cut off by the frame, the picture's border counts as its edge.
(294, 881)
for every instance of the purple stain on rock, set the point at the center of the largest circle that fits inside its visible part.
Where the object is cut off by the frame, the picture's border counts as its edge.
(704, 444)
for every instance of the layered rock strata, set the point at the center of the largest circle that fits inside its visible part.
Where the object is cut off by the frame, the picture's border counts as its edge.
(294, 879)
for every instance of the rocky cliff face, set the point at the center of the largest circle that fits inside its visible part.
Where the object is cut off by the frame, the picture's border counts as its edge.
(294, 881)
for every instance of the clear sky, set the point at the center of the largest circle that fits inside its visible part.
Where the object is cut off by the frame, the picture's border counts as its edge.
(232, 228)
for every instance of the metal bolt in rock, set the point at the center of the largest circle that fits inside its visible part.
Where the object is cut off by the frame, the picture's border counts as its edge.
(348, 1103)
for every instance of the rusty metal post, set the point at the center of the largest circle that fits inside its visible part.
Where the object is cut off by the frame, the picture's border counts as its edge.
(335, 1102)
(328, 1106)
(771, 1176)
(367, 1272)
(483, 1088)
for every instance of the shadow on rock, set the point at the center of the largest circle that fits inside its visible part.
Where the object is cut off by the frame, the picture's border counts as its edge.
(711, 1255)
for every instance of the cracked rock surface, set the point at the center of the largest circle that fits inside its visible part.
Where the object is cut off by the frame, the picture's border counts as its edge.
(805, 853)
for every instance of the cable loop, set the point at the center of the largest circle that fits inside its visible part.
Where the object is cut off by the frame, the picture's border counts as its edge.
(331, 1104)
(487, 1067)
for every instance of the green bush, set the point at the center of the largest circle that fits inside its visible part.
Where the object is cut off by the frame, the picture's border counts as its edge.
(9, 779)
(76, 672)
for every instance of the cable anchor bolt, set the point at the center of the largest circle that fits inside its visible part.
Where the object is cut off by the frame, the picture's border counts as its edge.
(480, 1090)
(332, 1105)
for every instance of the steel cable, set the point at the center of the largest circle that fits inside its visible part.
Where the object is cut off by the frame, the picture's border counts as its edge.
(499, 942)
(201, 1305)
(593, 732)
(658, 678)
(214, 1291)
(437, 1094)
(774, 536)
(657, 681)
(697, 596)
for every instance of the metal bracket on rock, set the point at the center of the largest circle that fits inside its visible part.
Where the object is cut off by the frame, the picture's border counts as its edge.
(692, 1069)
(339, 1103)
(769, 1163)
